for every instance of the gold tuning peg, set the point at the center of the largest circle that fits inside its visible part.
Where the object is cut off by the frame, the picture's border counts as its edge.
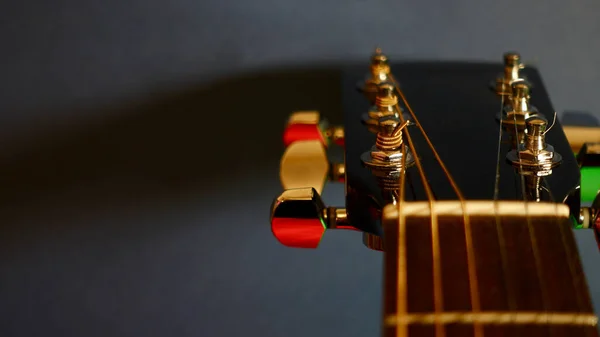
(579, 135)
(299, 218)
(305, 164)
(309, 125)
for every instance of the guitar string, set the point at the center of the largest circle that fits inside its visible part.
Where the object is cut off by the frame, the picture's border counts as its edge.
(473, 282)
(530, 228)
(437, 277)
(499, 230)
(401, 290)
(497, 180)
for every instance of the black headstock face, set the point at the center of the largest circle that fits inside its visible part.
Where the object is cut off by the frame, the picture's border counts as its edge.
(430, 131)
(461, 115)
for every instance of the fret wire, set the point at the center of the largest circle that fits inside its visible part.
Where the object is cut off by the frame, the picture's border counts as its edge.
(473, 282)
(440, 330)
(495, 317)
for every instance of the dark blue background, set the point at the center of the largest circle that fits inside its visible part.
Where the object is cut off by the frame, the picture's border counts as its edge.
(139, 149)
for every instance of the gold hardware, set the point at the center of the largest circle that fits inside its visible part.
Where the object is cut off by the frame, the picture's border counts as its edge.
(304, 164)
(512, 66)
(385, 103)
(579, 135)
(304, 117)
(338, 172)
(299, 218)
(534, 157)
(322, 130)
(379, 73)
(516, 111)
(335, 133)
(519, 107)
(385, 158)
(589, 217)
(589, 155)
(335, 217)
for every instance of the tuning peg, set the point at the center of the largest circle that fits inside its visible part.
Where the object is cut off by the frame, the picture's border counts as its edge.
(588, 159)
(308, 125)
(305, 164)
(299, 218)
(379, 73)
(579, 135)
(589, 217)
(512, 67)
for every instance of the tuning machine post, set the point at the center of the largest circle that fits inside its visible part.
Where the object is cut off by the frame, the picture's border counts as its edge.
(512, 68)
(533, 158)
(385, 159)
(379, 73)
(386, 105)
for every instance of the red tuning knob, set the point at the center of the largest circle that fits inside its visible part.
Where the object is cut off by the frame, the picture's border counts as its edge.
(299, 218)
(307, 125)
(296, 132)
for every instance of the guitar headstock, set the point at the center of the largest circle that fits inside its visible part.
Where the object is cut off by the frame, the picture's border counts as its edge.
(451, 132)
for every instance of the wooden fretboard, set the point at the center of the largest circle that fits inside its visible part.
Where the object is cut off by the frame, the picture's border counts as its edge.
(529, 278)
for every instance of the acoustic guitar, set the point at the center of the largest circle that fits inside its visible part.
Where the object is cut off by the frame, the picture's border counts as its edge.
(461, 175)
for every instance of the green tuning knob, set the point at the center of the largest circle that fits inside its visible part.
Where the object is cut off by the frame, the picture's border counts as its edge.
(589, 163)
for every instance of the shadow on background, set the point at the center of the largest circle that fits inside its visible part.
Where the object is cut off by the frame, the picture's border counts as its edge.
(203, 140)
(155, 222)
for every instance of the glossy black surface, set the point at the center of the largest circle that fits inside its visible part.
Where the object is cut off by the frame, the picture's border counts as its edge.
(458, 111)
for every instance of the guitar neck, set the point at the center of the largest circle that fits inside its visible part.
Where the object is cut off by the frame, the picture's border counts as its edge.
(524, 276)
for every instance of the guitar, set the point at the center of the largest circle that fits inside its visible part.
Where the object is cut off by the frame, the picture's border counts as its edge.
(462, 176)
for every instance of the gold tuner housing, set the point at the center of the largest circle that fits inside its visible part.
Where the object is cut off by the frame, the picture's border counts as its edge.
(305, 164)
(299, 218)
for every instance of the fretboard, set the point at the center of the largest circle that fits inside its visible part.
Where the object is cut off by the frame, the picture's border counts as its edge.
(525, 278)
